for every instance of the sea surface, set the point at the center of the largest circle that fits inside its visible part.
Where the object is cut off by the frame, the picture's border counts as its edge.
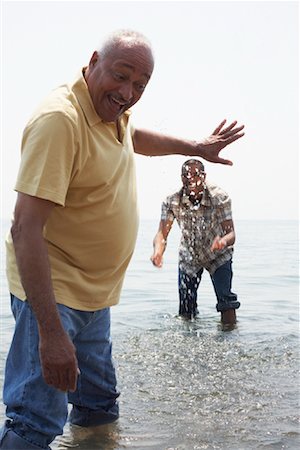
(193, 385)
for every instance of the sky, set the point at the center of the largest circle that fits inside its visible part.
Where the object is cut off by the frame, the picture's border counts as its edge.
(214, 60)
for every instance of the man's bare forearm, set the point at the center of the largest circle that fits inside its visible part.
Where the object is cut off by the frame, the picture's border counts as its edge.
(57, 352)
(34, 269)
(150, 143)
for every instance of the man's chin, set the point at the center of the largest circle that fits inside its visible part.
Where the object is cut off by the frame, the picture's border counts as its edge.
(110, 117)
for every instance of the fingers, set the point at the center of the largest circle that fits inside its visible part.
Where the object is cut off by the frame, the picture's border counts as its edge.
(231, 132)
(62, 378)
(157, 263)
(214, 246)
(219, 128)
(226, 162)
(228, 131)
(229, 128)
(72, 380)
(68, 382)
(215, 243)
(232, 138)
(156, 260)
(218, 244)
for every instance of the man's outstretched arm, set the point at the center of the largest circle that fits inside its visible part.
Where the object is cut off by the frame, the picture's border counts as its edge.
(150, 143)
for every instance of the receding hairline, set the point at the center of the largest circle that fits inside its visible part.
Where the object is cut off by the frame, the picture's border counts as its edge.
(124, 38)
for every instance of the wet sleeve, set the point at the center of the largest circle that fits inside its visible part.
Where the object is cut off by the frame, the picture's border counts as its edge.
(166, 211)
(224, 209)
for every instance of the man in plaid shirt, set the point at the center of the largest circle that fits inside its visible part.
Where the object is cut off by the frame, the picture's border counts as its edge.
(203, 213)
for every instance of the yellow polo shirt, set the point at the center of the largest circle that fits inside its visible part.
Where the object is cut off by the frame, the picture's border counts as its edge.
(73, 158)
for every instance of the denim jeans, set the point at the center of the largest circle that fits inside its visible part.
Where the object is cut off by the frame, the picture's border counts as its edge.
(37, 411)
(221, 279)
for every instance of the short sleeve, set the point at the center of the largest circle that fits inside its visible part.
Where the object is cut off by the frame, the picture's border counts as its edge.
(224, 209)
(48, 150)
(166, 211)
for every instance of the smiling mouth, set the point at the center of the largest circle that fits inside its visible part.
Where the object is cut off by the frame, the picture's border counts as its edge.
(117, 104)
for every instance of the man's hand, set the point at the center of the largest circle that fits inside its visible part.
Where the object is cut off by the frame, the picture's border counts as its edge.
(157, 259)
(218, 244)
(210, 147)
(59, 362)
(160, 242)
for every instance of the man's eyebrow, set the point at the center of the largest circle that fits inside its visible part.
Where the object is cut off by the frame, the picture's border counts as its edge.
(129, 66)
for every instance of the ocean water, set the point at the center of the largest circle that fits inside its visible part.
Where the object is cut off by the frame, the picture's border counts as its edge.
(192, 385)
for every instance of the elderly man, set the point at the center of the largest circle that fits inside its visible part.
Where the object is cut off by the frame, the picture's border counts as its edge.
(72, 237)
(203, 212)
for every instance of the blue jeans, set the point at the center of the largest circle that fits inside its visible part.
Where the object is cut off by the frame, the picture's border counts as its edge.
(221, 279)
(37, 411)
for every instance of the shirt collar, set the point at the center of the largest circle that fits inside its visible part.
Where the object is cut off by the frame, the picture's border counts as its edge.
(187, 202)
(81, 91)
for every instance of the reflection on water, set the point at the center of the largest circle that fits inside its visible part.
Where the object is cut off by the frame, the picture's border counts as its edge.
(105, 437)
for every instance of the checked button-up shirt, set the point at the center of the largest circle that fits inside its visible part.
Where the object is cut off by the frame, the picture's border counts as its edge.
(200, 224)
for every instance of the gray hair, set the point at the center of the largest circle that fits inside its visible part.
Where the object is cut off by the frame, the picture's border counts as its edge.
(127, 37)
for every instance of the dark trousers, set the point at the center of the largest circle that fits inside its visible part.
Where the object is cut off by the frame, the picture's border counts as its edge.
(221, 279)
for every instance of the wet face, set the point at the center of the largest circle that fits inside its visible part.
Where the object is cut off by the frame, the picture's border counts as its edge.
(117, 81)
(193, 178)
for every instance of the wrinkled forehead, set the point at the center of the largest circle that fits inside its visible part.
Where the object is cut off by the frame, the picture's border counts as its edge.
(133, 54)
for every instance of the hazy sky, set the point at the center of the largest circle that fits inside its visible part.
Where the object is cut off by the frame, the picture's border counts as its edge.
(214, 60)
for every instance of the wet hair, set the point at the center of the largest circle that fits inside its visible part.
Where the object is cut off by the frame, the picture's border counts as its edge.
(189, 163)
(124, 37)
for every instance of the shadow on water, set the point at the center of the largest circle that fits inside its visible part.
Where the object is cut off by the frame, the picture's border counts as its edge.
(190, 385)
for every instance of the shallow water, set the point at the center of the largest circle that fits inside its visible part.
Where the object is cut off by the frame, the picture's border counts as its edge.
(192, 385)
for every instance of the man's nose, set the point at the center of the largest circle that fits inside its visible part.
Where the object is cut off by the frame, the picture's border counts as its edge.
(126, 91)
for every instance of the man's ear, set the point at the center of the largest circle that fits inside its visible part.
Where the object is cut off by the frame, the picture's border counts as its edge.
(94, 59)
